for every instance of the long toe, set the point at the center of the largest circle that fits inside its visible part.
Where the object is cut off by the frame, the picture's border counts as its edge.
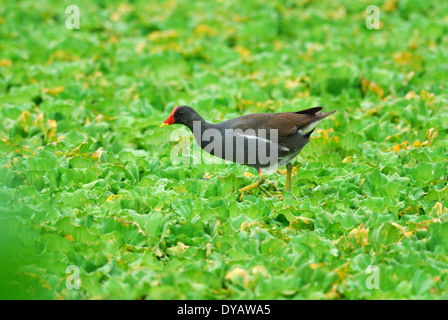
(294, 197)
(266, 192)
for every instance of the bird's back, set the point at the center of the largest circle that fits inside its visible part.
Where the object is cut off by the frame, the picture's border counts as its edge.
(267, 140)
(285, 123)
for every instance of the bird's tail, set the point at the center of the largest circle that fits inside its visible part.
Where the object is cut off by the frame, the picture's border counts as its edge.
(317, 117)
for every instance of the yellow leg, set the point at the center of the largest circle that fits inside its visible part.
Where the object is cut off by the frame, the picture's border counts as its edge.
(261, 179)
(288, 177)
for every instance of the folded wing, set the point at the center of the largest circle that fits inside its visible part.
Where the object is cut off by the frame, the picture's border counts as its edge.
(285, 124)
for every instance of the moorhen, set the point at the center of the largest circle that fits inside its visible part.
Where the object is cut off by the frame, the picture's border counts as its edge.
(261, 140)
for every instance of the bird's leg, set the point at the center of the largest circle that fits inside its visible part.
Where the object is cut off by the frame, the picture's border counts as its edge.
(275, 192)
(288, 177)
(288, 180)
(261, 179)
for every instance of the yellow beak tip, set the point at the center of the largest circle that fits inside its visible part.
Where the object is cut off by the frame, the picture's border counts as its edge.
(164, 125)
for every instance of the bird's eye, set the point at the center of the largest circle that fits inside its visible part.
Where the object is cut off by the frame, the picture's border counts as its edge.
(179, 112)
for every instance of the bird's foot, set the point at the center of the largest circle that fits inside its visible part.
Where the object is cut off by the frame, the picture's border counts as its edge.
(271, 194)
(292, 196)
(266, 192)
(273, 185)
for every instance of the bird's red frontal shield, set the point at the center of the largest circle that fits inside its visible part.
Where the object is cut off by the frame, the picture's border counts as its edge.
(170, 119)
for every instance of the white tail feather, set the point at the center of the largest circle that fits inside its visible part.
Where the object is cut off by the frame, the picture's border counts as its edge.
(309, 128)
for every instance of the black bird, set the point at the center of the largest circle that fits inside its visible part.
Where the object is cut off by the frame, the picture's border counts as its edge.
(262, 140)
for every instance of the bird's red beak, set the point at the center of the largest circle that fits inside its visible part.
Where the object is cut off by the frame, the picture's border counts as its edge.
(170, 119)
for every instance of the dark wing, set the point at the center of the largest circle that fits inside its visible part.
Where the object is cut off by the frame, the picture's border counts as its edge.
(287, 123)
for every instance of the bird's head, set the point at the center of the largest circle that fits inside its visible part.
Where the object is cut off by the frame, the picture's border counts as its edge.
(181, 115)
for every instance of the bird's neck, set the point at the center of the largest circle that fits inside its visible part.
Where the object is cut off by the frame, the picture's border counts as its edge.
(198, 126)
